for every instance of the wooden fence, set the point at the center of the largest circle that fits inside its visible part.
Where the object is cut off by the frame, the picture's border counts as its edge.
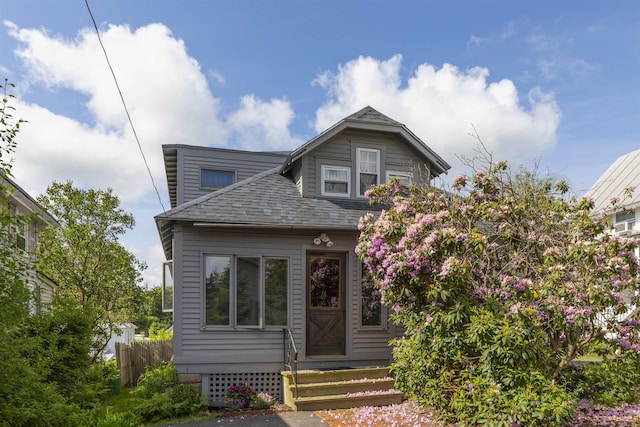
(135, 357)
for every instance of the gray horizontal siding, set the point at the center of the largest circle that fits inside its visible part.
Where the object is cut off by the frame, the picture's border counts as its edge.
(340, 151)
(243, 164)
(217, 348)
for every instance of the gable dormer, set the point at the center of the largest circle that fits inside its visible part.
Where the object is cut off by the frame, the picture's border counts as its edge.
(362, 150)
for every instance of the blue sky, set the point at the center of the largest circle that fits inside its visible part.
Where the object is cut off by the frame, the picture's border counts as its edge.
(552, 82)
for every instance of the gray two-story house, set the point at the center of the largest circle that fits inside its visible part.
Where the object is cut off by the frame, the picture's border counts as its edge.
(263, 242)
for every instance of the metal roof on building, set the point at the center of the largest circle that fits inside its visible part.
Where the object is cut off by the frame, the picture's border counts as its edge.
(622, 174)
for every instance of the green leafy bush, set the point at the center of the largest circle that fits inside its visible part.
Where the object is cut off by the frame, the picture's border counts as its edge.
(179, 400)
(156, 380)
(614, 381)
(499, 283)
(163, 397)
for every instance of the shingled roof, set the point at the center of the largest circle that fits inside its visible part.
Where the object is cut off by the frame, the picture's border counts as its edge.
(267, 199)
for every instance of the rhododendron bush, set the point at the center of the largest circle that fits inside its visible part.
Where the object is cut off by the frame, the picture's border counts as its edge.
(500, 282)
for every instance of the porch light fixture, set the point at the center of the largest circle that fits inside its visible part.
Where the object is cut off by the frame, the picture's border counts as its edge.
(323, 238)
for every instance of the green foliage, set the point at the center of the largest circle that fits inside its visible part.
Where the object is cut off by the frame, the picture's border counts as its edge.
(264, 401)
(614, 381)
(151, 312)
(95, 273)
(500, 284)
(98, 417)
(179, 400)
(163, 397)
(159, 333)
(156, 380)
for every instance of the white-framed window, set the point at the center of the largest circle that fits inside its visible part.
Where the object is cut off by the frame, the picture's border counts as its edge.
(336, 181)
(368, 168)
(21, 234)
(625, 221)
(245, 291)
(167, 286)
(212, 178)
(404, 177)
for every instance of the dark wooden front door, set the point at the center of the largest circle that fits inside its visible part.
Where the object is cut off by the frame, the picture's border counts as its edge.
(325, 304)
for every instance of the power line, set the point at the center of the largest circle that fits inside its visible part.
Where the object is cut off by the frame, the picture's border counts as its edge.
(124, 104)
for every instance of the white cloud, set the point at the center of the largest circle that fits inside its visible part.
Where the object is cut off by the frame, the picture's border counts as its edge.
(168, 99)
(442, 105)
(263, 125)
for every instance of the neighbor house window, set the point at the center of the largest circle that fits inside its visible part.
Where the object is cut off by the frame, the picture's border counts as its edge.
(403, 177)
(372, 309)
(368, 167)
(167, 286)
(336, 181)
(246, 291)
(210, 178)
(21, 234)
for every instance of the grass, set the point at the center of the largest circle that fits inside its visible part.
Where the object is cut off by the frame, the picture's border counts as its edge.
(126, 400)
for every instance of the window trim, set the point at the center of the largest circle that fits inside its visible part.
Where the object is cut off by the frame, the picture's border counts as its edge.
(234, 177)
(323, 180)
(360, 150)
(384, 324)
(233, 297)
(169, 265)
(398, 174)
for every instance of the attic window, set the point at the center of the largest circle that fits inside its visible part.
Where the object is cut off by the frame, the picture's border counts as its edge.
(403, 177)
(368, 164)
(336, 180)
(210, 178)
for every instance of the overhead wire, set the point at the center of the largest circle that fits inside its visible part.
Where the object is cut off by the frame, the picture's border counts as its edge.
(124, 104)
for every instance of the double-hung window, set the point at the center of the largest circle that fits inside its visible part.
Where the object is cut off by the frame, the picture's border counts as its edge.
(246, 291)
(336, 181)
(368, 164)
(403, 177)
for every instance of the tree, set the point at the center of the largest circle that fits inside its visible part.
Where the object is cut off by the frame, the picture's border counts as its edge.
(84, 256)
(42, 356)
(152, 315)
(500, 283)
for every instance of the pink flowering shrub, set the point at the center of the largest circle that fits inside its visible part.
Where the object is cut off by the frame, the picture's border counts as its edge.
(240, 396)
(500, 284)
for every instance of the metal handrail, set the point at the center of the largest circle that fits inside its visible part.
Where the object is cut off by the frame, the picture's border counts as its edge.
(291, 357)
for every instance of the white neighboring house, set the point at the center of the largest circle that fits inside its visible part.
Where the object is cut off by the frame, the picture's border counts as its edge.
(125, 335)
(27, 237)
(622, 177)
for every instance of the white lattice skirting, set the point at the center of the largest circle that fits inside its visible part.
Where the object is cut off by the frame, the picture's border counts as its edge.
(267, 382)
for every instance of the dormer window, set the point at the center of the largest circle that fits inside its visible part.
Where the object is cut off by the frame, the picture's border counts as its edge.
(336, 181)
(211, 178)
(368, 168)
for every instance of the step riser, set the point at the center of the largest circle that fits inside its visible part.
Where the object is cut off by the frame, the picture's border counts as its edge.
(311, 377)
(308, 390)
(349, 402)
(319, 390)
